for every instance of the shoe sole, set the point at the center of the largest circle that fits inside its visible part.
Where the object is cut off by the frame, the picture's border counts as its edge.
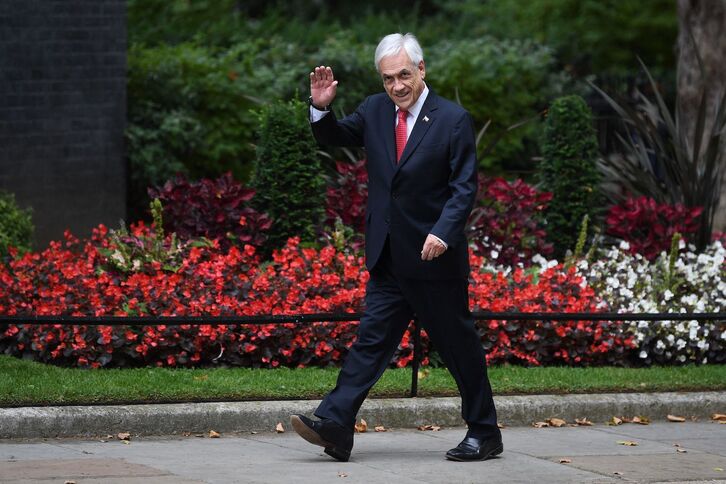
(311, 436)
(493, 453)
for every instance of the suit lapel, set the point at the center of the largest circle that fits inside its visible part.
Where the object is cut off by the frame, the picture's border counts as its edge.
(426, 117)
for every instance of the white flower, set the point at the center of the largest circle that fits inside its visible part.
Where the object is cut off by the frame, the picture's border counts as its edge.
(643, 354)
(660, 345)
(667, 295)
(494, 254)
(680, 344)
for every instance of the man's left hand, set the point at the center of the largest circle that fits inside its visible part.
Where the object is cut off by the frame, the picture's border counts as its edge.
(432, 248)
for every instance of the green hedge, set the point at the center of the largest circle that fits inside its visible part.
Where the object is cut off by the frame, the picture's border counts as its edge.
(16, 225)
(568, 170)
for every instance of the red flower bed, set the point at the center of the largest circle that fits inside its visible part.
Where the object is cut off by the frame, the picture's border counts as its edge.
(69, 279)
(649, 226)
(544, 342)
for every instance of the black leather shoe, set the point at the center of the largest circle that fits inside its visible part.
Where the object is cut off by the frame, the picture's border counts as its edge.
(336, 439)
(476, 448)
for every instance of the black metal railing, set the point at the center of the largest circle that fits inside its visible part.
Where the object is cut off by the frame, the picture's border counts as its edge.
(719, 318)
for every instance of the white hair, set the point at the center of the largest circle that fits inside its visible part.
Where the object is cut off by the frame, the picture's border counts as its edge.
(392, 45)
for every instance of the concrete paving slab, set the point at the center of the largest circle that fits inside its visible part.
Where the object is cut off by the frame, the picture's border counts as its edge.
(671, 467)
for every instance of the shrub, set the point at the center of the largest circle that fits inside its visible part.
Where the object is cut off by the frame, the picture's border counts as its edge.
(648, 226)
(347, 195)
(288, 176)
(505, 224)
(504, 81)
(188, 113)
(568, 170)
(16, 225)
(214, 209)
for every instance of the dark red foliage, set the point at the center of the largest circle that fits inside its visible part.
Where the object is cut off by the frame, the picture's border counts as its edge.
(216, 209)
(507, 218)
(347, 196)
(649, 226)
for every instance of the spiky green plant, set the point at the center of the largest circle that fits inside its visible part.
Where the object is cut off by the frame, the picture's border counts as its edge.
(659, 160)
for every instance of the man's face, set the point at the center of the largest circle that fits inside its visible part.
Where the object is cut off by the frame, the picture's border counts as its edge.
(402, 79)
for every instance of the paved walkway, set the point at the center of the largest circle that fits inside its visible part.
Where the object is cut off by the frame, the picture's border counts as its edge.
(400, 456)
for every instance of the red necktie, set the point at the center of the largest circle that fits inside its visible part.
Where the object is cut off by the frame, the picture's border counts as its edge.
(401, 133)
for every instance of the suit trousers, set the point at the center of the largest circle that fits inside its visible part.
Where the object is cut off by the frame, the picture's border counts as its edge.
(442, 307)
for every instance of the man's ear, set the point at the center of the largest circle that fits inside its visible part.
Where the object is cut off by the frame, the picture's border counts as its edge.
(422, 68)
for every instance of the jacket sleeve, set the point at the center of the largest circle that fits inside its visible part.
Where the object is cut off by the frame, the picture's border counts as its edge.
(451, 224)
(345, 132)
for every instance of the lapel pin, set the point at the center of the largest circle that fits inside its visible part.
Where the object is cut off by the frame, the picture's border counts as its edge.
(426, 119)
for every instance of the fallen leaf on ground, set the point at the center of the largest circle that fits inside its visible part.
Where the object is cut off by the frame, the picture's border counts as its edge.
(618, 473)
(423, 374)
(214, 435)
(642, 420)
(628, 443)
(501, 426)
(362, 426)
(380, 428)
(719, 416)
(434, 428)
(253, 432)
(615, 421)
(201, 436)
(676, 418)
(126, 442)
(186, 434)
(718, 469)
(556, 422)
(124, 436)
(626, 419)
(583, 421)
(540, 425)
(69, 482)
(681, 451)
(565, 461)
(342, 474)
(279, 428)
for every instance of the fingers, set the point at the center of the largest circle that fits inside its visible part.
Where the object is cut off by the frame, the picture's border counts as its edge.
(322, 76)
(432, 249)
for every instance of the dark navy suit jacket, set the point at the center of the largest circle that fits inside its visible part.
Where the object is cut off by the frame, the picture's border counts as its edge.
(430, 190)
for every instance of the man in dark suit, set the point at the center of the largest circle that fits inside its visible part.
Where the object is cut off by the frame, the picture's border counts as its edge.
(421, 162)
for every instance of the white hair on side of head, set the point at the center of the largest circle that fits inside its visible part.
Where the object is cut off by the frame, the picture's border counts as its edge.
(392, 45)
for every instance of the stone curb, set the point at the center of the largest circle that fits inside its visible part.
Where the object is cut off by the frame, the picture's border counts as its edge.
(171, 419)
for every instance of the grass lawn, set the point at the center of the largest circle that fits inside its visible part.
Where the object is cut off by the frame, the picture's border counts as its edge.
(30, 383)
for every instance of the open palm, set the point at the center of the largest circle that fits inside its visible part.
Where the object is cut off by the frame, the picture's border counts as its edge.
(323, 86)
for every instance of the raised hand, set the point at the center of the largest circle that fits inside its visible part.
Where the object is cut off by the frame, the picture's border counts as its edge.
(323, 86)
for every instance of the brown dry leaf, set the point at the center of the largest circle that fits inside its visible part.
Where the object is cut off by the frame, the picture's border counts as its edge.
(642, 420)
(719, 416)
(124, 436)
(676, 418)
(362, 426)
(214, 434)
(615, 421)
(380, 428)
(434, 428)
(627, 443)
(556, 422)
(565, 461)
(626, 419)
(279, 428)
(342, 474)
(186, 434)
(583, 421)
(540, 425)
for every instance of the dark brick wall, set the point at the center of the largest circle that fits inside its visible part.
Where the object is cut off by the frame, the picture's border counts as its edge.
(63, 112)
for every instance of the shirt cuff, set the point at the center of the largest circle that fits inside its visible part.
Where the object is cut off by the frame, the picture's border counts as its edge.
(316, 114)
(446, 246)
